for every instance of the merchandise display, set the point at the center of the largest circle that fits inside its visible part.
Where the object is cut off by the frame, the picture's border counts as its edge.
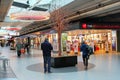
(99, 40)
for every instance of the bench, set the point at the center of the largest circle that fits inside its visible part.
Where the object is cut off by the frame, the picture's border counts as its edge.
(63, 61)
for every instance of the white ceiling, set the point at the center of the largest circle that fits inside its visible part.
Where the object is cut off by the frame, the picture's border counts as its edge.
(15, 23)
(14, 9)
(32, 2)
(8, 22)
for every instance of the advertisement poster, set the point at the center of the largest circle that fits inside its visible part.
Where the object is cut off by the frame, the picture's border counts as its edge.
(68, 46)
(75, 46)
(55, 45)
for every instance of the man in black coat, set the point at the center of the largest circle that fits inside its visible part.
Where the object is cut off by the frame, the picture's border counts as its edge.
(46, 48)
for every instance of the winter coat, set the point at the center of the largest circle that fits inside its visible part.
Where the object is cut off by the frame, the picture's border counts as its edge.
(46, 48)
(84, 50)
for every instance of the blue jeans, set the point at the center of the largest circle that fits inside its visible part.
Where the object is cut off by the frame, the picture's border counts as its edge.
(47, 60)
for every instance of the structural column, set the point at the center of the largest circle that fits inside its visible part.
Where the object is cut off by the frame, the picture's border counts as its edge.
(118, 40)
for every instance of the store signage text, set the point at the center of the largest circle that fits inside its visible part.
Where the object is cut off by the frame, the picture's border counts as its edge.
(88, 26)
(106, 26)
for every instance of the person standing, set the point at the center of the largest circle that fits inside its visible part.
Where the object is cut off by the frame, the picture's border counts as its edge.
(46, 48)
(85, 54)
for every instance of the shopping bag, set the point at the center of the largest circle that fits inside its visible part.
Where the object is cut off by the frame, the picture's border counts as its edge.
(23, 50)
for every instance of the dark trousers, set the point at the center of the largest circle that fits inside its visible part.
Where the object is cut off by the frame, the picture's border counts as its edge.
(18, 53)
(85, 60)
(47, 60)
(28, 50)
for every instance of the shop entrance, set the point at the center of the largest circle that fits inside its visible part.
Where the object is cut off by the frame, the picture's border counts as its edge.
(102, 41)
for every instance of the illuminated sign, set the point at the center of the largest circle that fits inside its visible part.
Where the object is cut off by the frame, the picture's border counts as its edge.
(106, 26)
(98, 26)
(84, 26)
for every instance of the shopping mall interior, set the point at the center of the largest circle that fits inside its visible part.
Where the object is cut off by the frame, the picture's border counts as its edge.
(66, 24)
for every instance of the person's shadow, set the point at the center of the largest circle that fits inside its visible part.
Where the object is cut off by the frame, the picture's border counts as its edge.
(79, 67)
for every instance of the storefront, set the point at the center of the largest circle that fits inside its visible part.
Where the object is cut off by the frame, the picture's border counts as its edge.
(99, 40)
(99, 37)
(34, 40)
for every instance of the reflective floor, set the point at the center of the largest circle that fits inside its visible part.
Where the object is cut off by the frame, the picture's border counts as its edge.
(30, 67)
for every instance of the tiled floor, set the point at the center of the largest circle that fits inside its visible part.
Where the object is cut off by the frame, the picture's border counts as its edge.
(101, 67)
(7, 74)
(8, 79)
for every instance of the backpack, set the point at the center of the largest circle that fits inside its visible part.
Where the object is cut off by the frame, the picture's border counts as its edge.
(89, 50)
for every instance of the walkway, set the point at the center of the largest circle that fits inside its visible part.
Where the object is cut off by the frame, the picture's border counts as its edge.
(101, 67)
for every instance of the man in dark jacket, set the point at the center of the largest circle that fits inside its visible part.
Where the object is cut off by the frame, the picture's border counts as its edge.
(85, 53)
(46, 48)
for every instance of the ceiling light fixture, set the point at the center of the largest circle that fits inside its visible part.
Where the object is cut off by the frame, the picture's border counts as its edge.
(30, 16)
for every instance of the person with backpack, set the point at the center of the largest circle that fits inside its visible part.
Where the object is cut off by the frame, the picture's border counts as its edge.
(85, 53)
(89, 50)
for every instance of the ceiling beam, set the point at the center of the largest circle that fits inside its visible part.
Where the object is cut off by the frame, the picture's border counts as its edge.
(4, 8)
